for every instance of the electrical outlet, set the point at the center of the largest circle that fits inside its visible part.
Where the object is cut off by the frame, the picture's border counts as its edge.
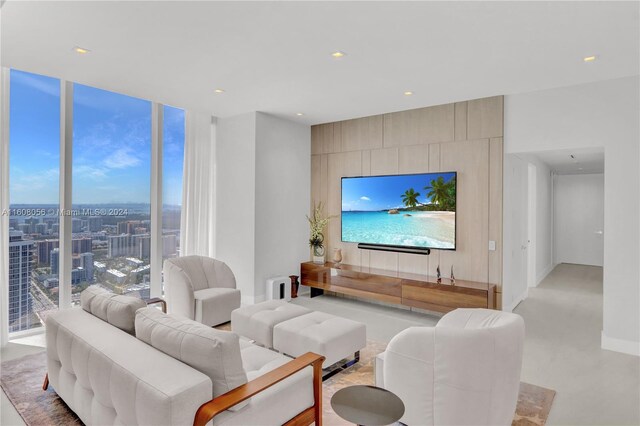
(492, 245)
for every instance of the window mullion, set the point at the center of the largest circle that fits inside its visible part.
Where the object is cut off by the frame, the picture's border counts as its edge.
(66, 157)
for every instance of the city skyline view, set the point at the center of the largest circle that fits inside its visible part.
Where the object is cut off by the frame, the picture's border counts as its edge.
(111, 186)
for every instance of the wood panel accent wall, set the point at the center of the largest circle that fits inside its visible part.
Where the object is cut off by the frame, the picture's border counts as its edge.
(465, 137)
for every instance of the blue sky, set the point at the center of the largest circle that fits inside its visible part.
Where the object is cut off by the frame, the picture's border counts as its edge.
(111, 148)
(384, 192)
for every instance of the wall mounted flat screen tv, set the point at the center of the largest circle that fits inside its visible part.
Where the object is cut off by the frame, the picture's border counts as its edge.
(416, 211)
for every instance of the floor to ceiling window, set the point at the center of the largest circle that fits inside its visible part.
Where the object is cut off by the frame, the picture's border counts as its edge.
(111, 192)
(172, 166)
(111, 233)
(34, 183)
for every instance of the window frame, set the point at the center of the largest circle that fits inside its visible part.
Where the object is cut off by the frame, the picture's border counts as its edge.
(65, 200)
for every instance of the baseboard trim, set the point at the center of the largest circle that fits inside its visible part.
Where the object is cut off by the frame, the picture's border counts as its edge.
(516, 301)
(545, 272)
(628, 347)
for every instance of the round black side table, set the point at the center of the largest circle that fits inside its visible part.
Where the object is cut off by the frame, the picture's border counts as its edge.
(367, 405)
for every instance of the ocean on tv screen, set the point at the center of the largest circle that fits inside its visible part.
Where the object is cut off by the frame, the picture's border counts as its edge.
(405, 210)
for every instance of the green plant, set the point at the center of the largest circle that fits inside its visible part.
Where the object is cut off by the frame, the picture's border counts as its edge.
(317, 222)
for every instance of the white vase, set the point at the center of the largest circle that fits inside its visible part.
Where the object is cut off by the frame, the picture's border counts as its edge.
(337, 255)
(318, 255)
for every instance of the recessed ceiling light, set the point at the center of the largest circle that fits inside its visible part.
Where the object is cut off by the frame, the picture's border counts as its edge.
(589, 58)
(408, 93)
(81, 50)
(219, 91)
(299, 114)
(338, 54)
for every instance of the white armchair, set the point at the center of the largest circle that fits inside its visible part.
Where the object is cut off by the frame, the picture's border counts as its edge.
(200, 288)
(463, 371)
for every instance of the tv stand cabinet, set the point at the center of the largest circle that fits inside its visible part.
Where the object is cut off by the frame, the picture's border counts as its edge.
(419, 291)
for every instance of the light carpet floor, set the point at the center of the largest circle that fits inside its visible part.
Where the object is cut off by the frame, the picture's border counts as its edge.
(21, 379)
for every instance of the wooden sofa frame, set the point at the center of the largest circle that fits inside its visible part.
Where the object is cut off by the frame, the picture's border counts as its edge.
(209, 410)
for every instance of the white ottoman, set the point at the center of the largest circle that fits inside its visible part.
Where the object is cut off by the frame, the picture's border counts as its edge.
(256, 322)
(334, 337)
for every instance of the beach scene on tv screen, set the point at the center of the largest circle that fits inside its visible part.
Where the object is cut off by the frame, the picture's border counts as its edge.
(406, 210)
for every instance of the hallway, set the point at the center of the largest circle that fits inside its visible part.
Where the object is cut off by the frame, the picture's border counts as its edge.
(563, 316)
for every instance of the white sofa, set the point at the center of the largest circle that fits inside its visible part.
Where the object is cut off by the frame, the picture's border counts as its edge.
(463, 371)
(173, 371)
(200, 288)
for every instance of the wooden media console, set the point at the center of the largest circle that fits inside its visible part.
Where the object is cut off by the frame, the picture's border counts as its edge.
(419, 291)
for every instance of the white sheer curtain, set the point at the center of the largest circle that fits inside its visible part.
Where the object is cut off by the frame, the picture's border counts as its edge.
(4, 206)
(198, 186)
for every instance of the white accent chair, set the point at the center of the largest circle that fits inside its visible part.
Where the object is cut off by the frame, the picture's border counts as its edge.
(200, 288)
(463, 371)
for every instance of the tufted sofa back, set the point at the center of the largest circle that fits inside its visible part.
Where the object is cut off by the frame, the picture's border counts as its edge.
(108, 377)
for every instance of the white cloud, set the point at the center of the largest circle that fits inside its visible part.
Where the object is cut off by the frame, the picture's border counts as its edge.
(89, 172)
(49, 86)
(363, 198)
(121, 159)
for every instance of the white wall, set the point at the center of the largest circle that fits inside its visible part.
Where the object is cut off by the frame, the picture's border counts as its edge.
(579, 215)
(283, 178)
(514, 240)
(544, 219)
(262, 183)
(235, 198)
(597, 114)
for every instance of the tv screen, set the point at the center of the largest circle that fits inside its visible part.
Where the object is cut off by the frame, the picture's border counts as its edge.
(412, 211)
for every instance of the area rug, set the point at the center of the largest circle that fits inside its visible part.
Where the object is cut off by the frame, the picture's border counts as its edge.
(21, 379)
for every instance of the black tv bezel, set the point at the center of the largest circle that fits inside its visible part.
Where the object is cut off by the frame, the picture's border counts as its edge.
(397, 248)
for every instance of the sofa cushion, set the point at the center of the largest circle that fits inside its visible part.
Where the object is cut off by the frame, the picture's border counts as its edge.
(277, 404)
(215, 353)
(214, 305)
(108, 377)
(117, 310)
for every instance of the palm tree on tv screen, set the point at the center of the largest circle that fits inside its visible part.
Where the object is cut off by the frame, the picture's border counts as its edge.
(442, 193)
(410, 198)
(437, 190)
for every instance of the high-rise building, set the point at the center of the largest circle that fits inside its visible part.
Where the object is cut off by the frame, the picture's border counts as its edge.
(77, 276)
(141, 246)
(119, 245)
(82, 245)
(78, 246)
(41, 228)
(86, 261)
(95, 223)
(20, 266)
(50, 221)
(132, 225)
(122, 227)
(55, 261)
(44, 251)
(25, 228)
(76, 225)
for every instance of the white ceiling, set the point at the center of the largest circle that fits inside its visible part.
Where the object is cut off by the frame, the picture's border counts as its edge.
(275, 56)
(576, 161)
